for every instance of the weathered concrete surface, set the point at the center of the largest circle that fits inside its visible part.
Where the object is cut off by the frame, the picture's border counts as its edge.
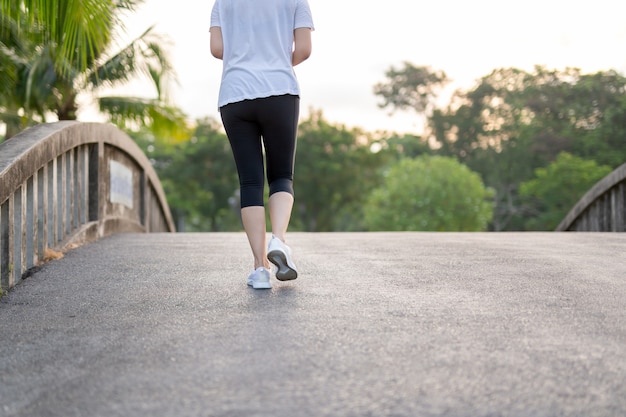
(404, 324)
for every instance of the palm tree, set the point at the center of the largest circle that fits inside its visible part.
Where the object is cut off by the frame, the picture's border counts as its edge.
(43, 73)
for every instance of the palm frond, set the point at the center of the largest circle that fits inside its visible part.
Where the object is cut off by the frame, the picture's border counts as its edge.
(161, 69)
(118, 69)
(8, 73)
(145, 57)
(166, 122)
(129, 5)
(10, 118)
(40, 78)
(93, 35)
(79, 28)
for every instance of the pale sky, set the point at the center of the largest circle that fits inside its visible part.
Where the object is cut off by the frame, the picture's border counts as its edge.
(356, 41)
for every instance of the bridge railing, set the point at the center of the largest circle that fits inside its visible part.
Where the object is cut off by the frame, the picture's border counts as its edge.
(68, 183)
(602, 208)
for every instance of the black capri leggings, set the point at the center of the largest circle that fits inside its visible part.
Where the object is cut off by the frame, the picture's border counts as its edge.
(275, 120)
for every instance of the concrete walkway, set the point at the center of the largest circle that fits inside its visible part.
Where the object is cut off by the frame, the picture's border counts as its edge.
(388, 324)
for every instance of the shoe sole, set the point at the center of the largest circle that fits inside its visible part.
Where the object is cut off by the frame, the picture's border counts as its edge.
(285, 271)
(260, 285)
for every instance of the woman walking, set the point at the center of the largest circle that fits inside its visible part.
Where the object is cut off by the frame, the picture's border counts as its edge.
(260, 42)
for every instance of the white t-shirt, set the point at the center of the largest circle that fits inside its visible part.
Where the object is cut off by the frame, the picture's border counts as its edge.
(258, 44)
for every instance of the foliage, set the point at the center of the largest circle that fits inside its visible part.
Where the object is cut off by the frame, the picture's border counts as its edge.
(429, 193)
(16, 111)
(404, 146)
(163, 120)
(65, 25)
(556, 188)
(513, 122)
(335, 168)
(199, 178)
(50, 55)
(565, 111)
(410, 87)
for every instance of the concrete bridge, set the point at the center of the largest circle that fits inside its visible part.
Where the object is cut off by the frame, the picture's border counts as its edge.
(378, 324)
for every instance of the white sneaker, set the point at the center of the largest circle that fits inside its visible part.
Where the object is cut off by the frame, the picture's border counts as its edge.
(280, 255)
(260, 279)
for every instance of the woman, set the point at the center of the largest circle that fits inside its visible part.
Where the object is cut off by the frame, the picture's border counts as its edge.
(260, 42)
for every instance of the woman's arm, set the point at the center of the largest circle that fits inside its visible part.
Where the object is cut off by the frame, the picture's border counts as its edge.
(217, 43)
(302, 45)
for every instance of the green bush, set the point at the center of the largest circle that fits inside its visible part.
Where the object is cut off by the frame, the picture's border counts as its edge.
(429, 193)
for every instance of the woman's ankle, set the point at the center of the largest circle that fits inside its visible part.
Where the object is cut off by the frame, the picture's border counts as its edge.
(279, 237)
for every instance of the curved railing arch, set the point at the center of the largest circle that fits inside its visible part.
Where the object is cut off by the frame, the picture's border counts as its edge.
(601, 209)
(67, 183)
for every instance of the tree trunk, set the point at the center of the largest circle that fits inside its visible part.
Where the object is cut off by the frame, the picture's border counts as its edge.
(67, 111)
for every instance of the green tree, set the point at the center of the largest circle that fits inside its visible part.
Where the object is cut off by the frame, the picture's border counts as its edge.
(514, 121)
(429, 194)
(42, 77)
(404, 146)
(335, 169)
(585, 112)
(410, 87)
(556, 188)
(199, 178)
